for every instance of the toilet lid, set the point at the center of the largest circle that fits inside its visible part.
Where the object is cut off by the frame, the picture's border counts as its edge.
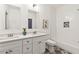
(51, 42)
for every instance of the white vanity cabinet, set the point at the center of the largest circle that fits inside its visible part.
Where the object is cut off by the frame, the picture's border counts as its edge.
(12, 47)
(27, 46)
(39, 44)
(24, 45)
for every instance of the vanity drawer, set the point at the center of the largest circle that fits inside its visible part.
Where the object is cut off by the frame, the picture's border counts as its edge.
(27, 49)
(27, 41)
(11, 43)
(45, 37)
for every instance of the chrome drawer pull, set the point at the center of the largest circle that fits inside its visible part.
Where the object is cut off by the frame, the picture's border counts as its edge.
(7, 52)
(27, 48)
(27, 41)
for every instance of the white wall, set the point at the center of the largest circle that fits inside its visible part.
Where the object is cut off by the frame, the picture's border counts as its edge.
(68, 37)
(47, 12)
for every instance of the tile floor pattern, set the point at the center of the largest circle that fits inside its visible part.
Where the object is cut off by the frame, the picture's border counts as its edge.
(56, 52)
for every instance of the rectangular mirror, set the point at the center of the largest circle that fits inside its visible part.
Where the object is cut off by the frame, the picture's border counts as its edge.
(17, 17)
(12, 17)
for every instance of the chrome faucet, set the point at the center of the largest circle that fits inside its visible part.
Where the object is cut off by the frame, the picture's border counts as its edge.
(10, 35)
(34, 32)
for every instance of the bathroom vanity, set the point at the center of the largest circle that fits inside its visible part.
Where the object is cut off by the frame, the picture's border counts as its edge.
(28, 44)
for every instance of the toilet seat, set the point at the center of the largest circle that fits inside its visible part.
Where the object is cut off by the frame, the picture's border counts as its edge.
(51, 42)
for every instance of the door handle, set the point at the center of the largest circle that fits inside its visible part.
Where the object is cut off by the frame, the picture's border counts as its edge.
(27, 41)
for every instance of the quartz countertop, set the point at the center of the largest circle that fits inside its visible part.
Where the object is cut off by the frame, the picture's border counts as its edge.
(21, 37)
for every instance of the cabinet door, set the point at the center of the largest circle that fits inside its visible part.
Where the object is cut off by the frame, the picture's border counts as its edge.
(41, 46)
(35, 46)
(14, 47)
(38, 46)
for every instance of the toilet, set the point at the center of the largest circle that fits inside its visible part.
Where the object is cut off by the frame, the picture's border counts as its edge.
(50, 44)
